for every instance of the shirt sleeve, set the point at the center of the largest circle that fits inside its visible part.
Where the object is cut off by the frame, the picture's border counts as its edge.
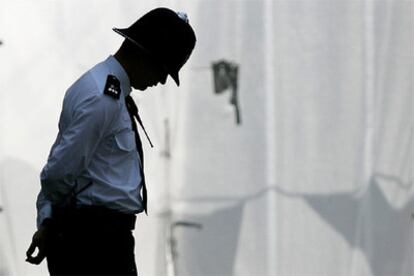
(43, 205)
(73, 150)
(44, 208)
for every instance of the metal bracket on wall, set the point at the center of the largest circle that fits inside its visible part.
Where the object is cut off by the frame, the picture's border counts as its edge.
(225, 74)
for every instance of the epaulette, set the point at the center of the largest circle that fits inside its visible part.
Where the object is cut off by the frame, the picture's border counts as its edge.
(112, 87)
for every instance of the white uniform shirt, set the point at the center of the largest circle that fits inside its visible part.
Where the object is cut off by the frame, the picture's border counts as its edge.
(95, 143)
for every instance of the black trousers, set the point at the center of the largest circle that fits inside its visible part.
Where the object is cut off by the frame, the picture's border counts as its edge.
(91, 241)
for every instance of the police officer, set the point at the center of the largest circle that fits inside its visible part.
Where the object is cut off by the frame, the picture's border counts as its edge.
(93, 184)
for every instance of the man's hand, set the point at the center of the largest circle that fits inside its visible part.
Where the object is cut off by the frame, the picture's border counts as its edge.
(39, 241)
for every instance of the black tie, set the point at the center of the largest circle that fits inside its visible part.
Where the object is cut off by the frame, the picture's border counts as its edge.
(133, 113)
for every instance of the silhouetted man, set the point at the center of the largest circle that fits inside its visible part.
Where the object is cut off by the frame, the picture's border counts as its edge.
(93, 184)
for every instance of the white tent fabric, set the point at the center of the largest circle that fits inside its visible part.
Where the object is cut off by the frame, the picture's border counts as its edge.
(318, 178)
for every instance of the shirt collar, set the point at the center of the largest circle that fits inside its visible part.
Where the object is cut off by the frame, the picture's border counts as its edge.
(116, 69)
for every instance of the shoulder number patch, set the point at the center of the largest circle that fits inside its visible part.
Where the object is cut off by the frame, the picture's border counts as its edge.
(112, 87)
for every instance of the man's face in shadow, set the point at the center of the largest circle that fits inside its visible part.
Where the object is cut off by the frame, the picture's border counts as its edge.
(147, 73)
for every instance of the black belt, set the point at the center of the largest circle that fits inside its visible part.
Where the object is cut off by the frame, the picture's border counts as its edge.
(96, 217)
